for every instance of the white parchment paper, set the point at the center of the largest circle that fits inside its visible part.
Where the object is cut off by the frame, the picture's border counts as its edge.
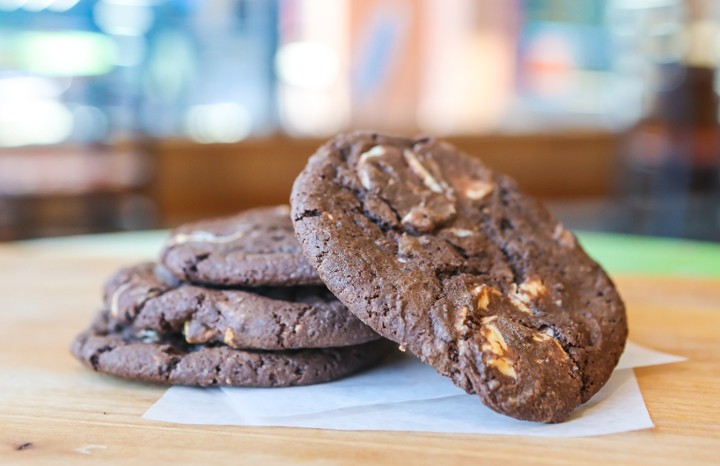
(405, 395)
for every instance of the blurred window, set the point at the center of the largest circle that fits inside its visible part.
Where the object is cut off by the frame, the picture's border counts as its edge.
(218, 71)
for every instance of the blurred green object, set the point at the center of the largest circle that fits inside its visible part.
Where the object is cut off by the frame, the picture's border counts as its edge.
(625, 254)
(619, 254)
(65, 53)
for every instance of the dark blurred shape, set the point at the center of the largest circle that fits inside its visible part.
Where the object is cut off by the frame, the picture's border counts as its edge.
(671, 158)
(50, 191)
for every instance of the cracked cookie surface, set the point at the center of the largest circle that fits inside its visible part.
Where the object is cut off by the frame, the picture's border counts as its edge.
(147, 300)
(451, 261)
(108, 348)
(253, 248)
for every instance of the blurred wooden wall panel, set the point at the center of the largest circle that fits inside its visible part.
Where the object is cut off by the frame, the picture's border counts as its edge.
(194, 181)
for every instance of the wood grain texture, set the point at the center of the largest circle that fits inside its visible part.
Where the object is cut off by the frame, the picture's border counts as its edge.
(54, 411)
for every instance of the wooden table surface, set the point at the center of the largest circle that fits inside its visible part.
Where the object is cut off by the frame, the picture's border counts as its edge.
(54, 411)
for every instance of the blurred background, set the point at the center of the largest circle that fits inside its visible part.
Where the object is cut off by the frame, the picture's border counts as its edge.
(137, 114)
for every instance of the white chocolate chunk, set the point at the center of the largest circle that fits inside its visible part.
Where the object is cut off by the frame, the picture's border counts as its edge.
(229, 337)
(204, 338)
(115, 298)
(519, 303)
(363, 170)
(421, 218)
(462, 318)
(364, 177)
(549, 335)
(482, 293)
(504, 366)
(494, 341)
(461, 232)
(542, 336)
(563, 236)
(488, 320)
(477, 189)
(495, 344)
(421, 172)
(532, 288)
(204, 237)
(527, 293)
(483, 300)
(375, 151)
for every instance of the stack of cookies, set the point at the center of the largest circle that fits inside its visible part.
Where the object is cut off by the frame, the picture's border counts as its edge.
(421, 243)
(232, 302)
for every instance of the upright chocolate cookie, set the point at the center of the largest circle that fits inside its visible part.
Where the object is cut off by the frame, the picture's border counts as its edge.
(107, 348)
(254, 248)
(434, 251)
(261, 318)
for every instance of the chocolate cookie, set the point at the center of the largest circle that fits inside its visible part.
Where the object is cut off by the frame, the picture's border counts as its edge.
(439, 254)
(254, 248)
(107, 348)
(261, 318)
